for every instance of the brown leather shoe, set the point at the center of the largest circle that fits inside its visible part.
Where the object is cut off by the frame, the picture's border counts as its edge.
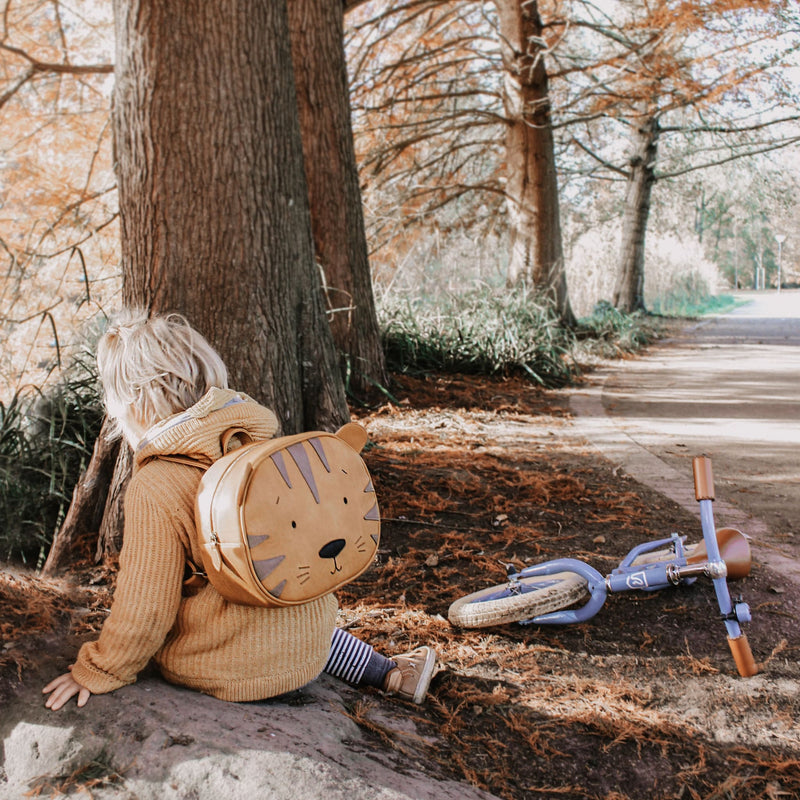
(413, 674)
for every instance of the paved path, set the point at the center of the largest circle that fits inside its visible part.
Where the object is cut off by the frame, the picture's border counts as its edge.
(727, 387)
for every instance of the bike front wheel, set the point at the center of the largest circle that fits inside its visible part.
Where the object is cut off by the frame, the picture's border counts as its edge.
(518, 600)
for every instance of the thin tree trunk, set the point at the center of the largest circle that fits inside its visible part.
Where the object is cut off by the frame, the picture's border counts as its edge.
(88, 502)
(629, 290)
(214, 210)
(316, 28)
(531, 183)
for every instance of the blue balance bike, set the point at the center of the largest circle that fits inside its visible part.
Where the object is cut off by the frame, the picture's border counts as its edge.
(566, 591)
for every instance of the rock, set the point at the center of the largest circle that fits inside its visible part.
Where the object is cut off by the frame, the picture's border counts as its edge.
(154, 741)
(34, 750)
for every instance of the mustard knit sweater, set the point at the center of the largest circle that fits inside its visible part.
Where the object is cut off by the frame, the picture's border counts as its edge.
(197, 638)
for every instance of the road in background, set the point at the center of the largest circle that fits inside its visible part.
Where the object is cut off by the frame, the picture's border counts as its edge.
(727, 387)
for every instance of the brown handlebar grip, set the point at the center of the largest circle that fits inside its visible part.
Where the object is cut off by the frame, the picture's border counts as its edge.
(745, 663)
(703, 478)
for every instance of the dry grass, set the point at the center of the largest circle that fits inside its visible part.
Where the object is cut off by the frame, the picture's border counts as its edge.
(95, 774)
(31, 608)
(525, 715)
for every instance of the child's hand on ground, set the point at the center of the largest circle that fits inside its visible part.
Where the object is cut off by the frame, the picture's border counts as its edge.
(62, 688)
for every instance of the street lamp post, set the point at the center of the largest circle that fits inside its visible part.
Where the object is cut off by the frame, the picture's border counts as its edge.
(780, 238)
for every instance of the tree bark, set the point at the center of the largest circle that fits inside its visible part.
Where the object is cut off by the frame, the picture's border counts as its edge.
(629, 290)
(317, 34)
(88, 501)
(532, 183)
(214, 210)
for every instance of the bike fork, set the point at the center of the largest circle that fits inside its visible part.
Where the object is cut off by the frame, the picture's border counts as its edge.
(732, 613)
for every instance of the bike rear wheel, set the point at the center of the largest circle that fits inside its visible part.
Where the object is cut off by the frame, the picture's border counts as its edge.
(519, 600)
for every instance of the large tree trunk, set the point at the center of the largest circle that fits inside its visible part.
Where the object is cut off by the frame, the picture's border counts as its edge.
(316, 28)
(214, 209)
(532, 182)
(213, 200)
(629, 290)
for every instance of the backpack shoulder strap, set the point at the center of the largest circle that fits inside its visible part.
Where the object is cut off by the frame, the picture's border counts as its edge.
(193, 577)
(241, 434)
(176, 459)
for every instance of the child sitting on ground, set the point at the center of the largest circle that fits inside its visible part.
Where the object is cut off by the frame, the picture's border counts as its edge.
(152, 369)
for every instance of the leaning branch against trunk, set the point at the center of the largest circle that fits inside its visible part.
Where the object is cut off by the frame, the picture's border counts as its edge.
(88, 503)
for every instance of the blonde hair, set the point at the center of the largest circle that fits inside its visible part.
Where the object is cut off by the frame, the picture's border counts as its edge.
(153, 367)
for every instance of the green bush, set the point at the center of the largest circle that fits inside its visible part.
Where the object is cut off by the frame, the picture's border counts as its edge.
(479, 332)
(46, 441)
(609, 332)
(491, 332)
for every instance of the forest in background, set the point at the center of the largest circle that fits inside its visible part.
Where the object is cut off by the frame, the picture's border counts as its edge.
(431, 110)
(684, 91)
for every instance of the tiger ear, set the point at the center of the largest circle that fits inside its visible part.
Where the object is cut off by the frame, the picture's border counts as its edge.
(354, 435)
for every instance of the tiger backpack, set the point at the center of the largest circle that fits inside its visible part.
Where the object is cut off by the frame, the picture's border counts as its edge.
(287, 520)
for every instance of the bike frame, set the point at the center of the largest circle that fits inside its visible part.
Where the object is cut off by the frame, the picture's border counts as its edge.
(658, 575)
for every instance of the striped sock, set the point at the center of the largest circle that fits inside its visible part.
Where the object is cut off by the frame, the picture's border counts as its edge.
(355, 661)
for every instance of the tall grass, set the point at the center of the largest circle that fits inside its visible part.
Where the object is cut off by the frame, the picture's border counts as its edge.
(607, 333)
(46, 440)
(492, 332)
(478, 332)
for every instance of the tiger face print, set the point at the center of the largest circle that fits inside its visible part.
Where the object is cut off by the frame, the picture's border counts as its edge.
(318, 494)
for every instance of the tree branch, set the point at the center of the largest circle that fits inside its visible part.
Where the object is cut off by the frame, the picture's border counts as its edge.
(727, 129)
(14, 88)
(733, 157)
(56, 68)
(599, 159)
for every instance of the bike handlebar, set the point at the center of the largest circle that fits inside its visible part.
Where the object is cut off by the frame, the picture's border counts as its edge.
(704, 559)
(703, 478)
(742, 655)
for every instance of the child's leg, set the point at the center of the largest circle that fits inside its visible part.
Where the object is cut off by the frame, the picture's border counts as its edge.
(356, 662)
(408, 675)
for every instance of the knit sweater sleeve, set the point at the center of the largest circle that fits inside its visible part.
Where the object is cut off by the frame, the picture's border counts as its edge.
(147, 595)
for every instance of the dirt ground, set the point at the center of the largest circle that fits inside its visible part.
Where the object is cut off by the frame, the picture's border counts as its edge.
(642, 702)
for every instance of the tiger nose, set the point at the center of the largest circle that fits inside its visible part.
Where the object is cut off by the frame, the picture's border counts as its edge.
(332, 549)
